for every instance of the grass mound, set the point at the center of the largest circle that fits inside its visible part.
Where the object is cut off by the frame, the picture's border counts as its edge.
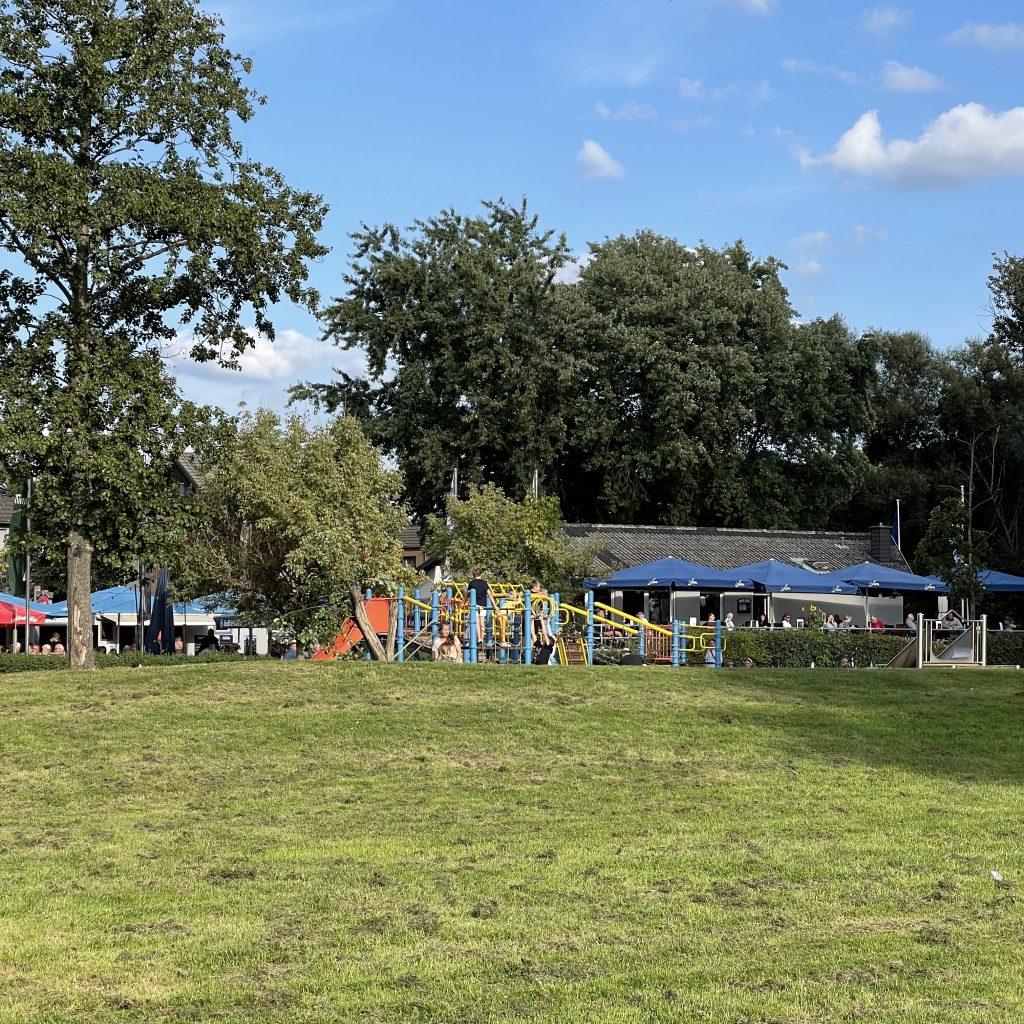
(320, 843)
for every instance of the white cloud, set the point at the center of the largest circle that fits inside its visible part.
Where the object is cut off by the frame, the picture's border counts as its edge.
(629, 70)
(1008, 36)
(254, 20)
(755, 6)
(883, 21)
(595, 162)
(813, 67)
(691, 88)
(809, 249)
(570, 272)
(898, 78)
(692, 124)
(694, 89)
(966, 144)
(265, 371)
(627, 112)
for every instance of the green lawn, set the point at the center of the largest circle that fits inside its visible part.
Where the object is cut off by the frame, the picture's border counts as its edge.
(293, 843)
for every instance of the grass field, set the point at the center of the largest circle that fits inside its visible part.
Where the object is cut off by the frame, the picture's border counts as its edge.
(298, 843)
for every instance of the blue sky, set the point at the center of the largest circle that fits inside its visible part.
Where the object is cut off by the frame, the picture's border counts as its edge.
(877, 149)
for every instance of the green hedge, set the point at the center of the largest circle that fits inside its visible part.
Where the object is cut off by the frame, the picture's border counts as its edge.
(56, 662)
(1005, 648)
(797, 648)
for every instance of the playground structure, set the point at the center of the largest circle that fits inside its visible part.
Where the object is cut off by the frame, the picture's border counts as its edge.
(503, 631)
(936, 645)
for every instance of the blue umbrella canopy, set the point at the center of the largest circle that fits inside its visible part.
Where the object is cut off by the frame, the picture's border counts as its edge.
(113, 601)
(780, 578)
(35, 606)
(870, 576)
(1001, 582)
(672, 573)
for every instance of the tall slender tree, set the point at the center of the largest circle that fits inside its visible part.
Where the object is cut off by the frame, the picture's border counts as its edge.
(130, 216)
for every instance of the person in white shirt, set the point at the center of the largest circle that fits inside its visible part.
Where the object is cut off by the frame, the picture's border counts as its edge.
(787, 622)
(727, 622)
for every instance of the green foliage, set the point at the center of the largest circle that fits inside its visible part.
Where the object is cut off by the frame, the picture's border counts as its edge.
(514, 541)
(129, 214)
(954, 552)
(114, 479)
(797, 648)
(1006, 285)
(669, 384)
(53, 663)
(293, 517)
(456, 317)
(707, 404)
(1005, 648)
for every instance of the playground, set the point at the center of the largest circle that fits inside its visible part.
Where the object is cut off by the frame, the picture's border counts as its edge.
(520, 626)
(511, 628)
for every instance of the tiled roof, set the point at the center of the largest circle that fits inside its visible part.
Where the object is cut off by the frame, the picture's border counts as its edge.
(618, 546)
(6, 509)
(410, 537)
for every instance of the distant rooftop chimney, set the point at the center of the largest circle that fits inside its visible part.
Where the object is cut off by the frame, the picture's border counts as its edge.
(880, 543)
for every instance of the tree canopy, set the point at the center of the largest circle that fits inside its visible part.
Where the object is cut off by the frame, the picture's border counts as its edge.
(516, 541)
(294, 521)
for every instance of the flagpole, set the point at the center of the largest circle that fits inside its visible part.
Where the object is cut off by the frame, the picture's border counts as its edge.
(899, 528)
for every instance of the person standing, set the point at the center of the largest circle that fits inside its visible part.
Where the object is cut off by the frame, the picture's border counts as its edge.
(478, 587)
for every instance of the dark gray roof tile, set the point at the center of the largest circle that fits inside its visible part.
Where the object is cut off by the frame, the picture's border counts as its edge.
(618, 546)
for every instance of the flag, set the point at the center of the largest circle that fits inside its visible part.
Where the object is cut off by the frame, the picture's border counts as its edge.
(160, 638)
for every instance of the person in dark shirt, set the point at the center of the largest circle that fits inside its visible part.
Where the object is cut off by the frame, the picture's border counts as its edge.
(208, 643)
(478, 586)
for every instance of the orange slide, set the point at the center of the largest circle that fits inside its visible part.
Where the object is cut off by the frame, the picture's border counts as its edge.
(378, 610)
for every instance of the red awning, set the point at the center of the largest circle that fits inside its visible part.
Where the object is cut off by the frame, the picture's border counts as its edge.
(14, 615)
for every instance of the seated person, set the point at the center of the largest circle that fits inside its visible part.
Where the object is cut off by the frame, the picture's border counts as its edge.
(446, 646)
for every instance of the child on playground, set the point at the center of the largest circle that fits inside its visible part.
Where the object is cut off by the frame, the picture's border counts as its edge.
(447, 646)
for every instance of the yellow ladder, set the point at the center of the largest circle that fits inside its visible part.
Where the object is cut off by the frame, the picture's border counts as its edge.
(572, 651)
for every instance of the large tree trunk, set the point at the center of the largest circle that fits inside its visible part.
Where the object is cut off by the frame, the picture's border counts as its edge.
(377, 650)
(80, 600)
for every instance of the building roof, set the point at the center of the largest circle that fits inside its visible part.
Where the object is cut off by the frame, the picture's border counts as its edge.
(410, 537)
(720, 548)
(6, 509)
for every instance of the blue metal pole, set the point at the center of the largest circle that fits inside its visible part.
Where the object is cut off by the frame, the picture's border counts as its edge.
(642, 645)
(417, 613)
(502, 650)
(682, 643)
(400, 637)
(556, 603)
(590, 627)
(368, 656)
(435, 613)
(472, 627)
(528, 627)
(675, 643)
(718, 643)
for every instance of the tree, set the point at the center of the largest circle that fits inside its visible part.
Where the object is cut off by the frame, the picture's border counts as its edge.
(954, 551)
(708, 404)
(905, 444)
(1006, 285)
(133, 216)
(517, 541)
(296, 522)
(457, 320)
